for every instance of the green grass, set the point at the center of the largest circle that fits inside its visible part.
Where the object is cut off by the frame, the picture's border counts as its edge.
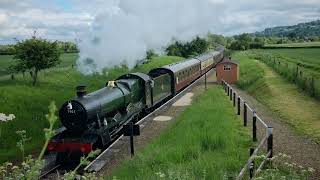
(294, 45)
(207, 140)
(29, 103)
(285, 99)
(309, 58)
(299, 66)
(7, 60)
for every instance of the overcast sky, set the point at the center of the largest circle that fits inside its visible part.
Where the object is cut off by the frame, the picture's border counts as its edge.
(68, 19)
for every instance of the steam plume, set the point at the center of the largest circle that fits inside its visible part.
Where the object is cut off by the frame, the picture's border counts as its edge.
(127, 29)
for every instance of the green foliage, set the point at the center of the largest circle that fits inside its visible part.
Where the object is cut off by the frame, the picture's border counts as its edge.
(250, 74)
(7, 50)
(22, 142)
(282, 167)
(195, 146)
(246, 41)
(30, 168)
(289, 44)
(35, 55)
(84, 161)
(216, 41)
(189, 49)
(66, 47)
(302, 31)
(150, 54)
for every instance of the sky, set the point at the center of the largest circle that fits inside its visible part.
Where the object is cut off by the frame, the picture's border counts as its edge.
(68, 19)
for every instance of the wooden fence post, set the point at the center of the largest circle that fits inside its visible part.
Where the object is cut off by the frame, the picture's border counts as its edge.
(239, 101)
(244, 114)
(254, 127)
(230, 94)
(251, 167)
(228, 90)
(234, 99)
(270, 141)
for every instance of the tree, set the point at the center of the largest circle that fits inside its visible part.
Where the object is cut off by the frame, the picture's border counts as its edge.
(36, 54)
(150, 54)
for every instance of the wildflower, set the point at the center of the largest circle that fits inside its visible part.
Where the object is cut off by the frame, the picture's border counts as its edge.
(14, 168)
(8, 164)
(5, 118)
(304, 171)
(301, 167)
(310, 169)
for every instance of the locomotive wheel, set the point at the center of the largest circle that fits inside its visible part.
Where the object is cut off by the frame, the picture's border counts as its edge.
(61, 158)
(68, 158)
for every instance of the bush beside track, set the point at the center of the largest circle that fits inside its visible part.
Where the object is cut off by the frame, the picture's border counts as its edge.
(207, 141)
(29, 103)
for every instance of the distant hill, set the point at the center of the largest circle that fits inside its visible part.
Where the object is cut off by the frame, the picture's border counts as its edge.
(308, 29)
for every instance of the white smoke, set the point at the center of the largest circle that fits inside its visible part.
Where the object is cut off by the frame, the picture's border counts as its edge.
(127, 29)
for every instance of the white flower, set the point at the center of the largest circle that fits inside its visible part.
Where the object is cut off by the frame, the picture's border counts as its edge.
(310, 169)
(11, 117)
(5, 118)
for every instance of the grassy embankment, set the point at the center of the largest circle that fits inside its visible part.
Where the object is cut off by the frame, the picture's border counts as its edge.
(206, 142)
(299, 66)
(284, 98)
(29, 103)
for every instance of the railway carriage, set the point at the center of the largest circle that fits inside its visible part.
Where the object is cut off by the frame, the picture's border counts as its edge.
(206, 61)
(217, 56)
(182, 73)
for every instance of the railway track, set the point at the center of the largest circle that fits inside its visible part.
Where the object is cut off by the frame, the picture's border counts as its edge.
(98, 163)
(49, 172)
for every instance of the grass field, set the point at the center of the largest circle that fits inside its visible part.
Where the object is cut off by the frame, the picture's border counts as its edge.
(299, 66)
(7, 60)
(285, 99)
(206, 142)
(29, 103)
(294, 45)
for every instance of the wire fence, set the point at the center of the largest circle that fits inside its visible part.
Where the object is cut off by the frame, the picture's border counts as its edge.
(262, 133)
(299, 73)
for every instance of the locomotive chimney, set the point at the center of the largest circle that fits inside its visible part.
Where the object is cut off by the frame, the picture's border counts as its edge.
(81, 91)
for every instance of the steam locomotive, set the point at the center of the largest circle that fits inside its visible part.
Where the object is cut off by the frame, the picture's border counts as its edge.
(93, 120)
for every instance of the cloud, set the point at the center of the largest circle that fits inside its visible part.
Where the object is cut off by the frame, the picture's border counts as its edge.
(124, 29)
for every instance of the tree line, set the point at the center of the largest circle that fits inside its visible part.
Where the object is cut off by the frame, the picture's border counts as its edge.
(64, 47)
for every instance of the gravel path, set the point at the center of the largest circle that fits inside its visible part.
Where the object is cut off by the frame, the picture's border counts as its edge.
(302, 150)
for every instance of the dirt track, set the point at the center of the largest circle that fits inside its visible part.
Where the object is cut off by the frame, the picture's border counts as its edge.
(302, 150)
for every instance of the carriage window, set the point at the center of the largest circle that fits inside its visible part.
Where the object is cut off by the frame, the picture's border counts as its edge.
(227, 67)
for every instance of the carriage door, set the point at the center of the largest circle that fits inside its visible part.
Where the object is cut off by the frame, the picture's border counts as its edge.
(148, 91)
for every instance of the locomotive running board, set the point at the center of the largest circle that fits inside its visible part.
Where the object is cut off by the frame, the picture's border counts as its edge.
(98, 163)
